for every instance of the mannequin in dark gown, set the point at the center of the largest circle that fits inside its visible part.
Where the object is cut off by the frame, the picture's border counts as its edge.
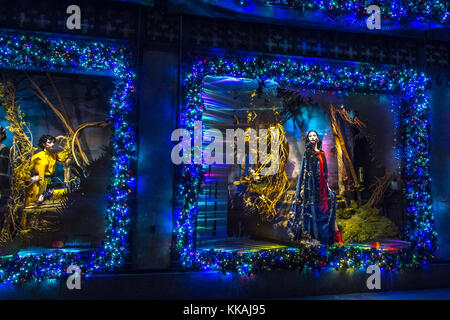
(313, 213)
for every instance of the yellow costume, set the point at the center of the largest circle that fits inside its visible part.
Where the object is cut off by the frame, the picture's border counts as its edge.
(44, 167)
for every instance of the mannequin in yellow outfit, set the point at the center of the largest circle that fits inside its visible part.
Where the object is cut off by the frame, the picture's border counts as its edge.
(43, 169)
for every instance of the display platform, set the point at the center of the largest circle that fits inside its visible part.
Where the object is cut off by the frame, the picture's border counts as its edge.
(250, 245)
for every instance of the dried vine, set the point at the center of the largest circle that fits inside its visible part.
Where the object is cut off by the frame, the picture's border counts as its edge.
(75, 137)
(20, 161)
(264, 192)
(63, 116)
(380, 188)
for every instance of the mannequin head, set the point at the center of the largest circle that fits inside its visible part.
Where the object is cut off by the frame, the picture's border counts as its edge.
(312, 138)
(46, 142)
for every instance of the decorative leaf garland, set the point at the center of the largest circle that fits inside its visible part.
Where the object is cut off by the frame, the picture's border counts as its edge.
(426, 11)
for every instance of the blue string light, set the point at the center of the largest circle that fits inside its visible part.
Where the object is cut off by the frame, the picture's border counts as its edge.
(418, 10)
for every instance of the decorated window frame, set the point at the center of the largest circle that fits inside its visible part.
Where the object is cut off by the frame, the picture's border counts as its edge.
(77, 55)
(413, 89)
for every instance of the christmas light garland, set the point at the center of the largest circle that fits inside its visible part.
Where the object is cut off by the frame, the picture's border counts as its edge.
(54, 53)
(426, 11)
(412, 88)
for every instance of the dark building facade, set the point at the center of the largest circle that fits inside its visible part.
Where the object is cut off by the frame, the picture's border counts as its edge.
(165, 39)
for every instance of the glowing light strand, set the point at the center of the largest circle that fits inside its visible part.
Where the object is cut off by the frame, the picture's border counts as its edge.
(419, 10)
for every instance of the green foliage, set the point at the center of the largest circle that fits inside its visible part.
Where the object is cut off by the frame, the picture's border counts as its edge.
(20, 157)
(358, 224)
(22, 149)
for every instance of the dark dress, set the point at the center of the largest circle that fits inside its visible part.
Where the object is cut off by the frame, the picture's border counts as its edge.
(314, 215)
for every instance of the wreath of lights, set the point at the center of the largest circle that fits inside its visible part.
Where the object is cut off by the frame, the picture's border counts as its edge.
(412, 88)
(428, 10)
(57, 53)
